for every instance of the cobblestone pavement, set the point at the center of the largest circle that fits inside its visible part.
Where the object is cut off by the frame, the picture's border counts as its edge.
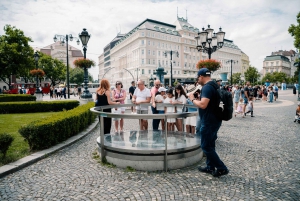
(262, 154)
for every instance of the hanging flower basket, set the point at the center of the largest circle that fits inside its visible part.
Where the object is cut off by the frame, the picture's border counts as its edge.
(210, 64)
(81, 63)
(37, 72)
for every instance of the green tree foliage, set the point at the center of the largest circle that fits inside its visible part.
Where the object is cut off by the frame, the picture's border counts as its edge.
(54, 69)
(276, 77)
(76, 76)
(294, 30)
(252, 74)
(16, 56)
(236, 78)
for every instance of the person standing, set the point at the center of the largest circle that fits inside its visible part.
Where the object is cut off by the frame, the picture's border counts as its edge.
(119, 95)
(51, 92)
(246, 96)
(210, 123)
(275, 92)
(154, 90)
(180, 98)
(103, 99)
(131, 91)
(79, 91)
(141, 95)
(236, 96)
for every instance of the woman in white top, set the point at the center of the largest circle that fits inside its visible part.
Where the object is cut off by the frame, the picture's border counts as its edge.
(170, 110)
(180, 98)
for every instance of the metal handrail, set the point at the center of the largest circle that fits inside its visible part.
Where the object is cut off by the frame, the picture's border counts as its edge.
(99, 111)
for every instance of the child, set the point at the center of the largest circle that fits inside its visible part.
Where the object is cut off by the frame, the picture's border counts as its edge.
(270, 94)
(170, 110)
(159, 98)
(297, 117)
(239, 109)
(191, 121)
(250, 106)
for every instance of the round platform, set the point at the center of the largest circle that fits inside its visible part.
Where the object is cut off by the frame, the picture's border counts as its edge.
(145, 150)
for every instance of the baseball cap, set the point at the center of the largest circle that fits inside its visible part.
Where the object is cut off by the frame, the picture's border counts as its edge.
(219, 80)
(162, 89)
(203, 72)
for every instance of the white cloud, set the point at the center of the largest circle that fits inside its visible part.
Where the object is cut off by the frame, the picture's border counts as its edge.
(256, 26)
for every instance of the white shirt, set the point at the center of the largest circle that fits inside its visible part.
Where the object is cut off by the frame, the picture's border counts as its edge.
(181, 99)
(159, 98)
(141, 96)
(170, 109)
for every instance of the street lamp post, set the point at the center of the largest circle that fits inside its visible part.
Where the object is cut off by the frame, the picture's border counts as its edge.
(84, 37)
(209, 42)
(63, 38)
(38, 93)
(171, 52)
(231, 61)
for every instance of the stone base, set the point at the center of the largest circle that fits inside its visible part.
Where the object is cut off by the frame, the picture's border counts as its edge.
(39, 96)
(85, 100)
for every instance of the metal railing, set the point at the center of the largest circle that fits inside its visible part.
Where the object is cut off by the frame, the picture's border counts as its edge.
(99, 110)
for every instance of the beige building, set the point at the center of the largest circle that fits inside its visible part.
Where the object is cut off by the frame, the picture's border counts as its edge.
(245, 63)
(276, 63)
(56, 50)
(137, 54)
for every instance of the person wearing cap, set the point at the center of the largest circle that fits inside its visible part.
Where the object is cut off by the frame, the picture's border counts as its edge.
(154, 90)
(159, 98)
(210, 123)
(219, 82)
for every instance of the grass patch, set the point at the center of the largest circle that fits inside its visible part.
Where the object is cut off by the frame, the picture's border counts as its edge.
(129, 169)
(104, 162)
(10, 123)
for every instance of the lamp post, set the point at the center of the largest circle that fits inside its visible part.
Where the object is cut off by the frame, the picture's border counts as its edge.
(151, 80)
(62, 39)
(84, 37)
(171, 52)
(209, 42)
(231, 61)
(37, 89)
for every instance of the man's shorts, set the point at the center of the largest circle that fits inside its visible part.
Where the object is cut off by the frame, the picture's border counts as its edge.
(245, 101)
(142, 111)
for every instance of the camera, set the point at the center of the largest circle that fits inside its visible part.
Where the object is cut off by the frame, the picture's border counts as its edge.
(197, 93)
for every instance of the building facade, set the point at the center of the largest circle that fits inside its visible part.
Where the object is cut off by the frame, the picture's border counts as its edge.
(137, 54)
(276, 63)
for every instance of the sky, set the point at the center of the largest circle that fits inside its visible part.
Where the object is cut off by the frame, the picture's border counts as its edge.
(257, 27)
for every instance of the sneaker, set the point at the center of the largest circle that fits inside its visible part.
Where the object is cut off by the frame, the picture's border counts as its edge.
(219, 173)
(252, 116)
(245, 114)
(205, 170)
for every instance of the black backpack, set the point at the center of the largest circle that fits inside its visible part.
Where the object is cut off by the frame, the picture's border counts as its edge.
(251, 92)
(225, 112)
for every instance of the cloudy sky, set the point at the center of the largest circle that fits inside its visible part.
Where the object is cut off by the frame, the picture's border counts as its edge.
(258, 27)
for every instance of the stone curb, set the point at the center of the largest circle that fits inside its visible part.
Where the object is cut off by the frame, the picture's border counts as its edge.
(28, 160)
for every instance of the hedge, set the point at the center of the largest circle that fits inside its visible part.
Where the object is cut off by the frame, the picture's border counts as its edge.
(40, 106)
(44, 133)
(16, 97)
(5, 142)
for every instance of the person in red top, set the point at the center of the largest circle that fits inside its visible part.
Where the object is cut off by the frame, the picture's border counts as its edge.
(119, 95)
(154, 90)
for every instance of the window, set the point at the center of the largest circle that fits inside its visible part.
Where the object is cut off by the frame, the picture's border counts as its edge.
(149, 71)
(149, 42)
(166, 63)
(184, 64)
(163, 45)
(185, 56)
(153, 52)
(277, 63)
(158, 44)
(149, 52)
(142, 51)
(158, 53)
(163, 62)
(153, 43)
(178, 63)
(178, 72)
(143, 72)
(148, 61)
(142, 61)
(143, 34)
(159, 62)
(154, 61)
(142, 42)
(174, 72)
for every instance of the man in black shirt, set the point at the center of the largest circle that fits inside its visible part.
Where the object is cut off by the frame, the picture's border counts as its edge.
(131, 92)
(246, 97)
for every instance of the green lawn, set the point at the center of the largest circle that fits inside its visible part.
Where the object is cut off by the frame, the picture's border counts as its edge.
(10, 123)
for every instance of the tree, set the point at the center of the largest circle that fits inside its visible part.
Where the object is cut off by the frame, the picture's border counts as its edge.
(275, 77)
(16, 56)
(294, 30)
(54, 69)
(236, 78)
(77, 76)
(268, 77)
(251, 74)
